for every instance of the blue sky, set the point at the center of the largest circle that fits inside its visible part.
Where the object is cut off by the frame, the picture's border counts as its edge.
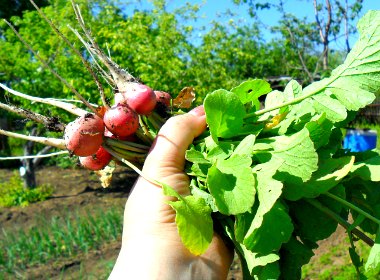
(210, 9)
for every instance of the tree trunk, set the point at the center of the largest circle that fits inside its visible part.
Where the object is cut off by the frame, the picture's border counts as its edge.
(29, 165)
(4, 146)
(28, 172)
(326, 56)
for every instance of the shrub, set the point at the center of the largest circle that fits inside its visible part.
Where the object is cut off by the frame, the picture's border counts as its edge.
(13, 193)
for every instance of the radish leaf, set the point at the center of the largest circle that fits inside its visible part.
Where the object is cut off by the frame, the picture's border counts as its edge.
(296, 151)
(193, 219)
(251, 90)
(333, 171)
(224, 114)
(373, 262)
(275, 229)
(232, 184)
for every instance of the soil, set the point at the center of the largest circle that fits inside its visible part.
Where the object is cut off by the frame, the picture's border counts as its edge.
(80, 189)
(74, 189)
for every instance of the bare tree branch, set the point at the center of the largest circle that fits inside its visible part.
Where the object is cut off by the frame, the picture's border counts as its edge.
(346, 31)
(300, 56)
(324, 31)
(317, 20)
(328, 23)
(40, 155)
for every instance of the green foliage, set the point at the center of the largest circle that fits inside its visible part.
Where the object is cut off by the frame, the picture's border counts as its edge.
(226, 113)
(154, 46)
(13, 193)
(373, 262)
(302, 39)
(232, 184)
(273, 174)
(63, 237)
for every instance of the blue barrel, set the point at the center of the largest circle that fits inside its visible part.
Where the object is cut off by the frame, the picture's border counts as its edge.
(358, 140)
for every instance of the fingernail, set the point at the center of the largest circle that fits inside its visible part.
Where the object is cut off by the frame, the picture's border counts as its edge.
(198, 111)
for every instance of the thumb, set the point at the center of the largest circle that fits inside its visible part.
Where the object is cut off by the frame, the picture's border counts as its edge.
(166, 159)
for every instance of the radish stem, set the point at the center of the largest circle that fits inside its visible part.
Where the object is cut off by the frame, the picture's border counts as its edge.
(58, 143)
(353, 207)
(56, 103)
(50, 122)
(127, 145)
(84, 61)
(340, 220)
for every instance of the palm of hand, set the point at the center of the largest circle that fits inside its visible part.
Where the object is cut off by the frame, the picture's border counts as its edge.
(152, 248)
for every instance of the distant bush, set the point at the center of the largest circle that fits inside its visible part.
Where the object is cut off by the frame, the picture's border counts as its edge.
(13, 193)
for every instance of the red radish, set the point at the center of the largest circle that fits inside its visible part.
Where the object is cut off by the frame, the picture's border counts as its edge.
(139, 97)
(121, 120)
(97, 161)
(84, 135)
(163, 97)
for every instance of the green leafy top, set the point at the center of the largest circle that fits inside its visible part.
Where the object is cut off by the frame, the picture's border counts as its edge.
(273, 173)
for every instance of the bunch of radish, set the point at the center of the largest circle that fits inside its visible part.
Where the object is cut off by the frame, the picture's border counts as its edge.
(86, 134)
(123, 130)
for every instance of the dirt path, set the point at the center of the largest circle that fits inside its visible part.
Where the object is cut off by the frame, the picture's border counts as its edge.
(73, 189)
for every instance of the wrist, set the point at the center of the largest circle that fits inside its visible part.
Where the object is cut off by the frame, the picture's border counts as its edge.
(155, 261)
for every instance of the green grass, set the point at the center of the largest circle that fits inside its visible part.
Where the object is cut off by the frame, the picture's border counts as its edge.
(60, 237)
(336, 263)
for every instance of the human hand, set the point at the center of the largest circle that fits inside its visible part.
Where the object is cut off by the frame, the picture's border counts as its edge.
(151, 246)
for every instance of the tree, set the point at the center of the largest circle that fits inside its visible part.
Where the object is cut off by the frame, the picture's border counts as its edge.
(9, 8)
(333, 20)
